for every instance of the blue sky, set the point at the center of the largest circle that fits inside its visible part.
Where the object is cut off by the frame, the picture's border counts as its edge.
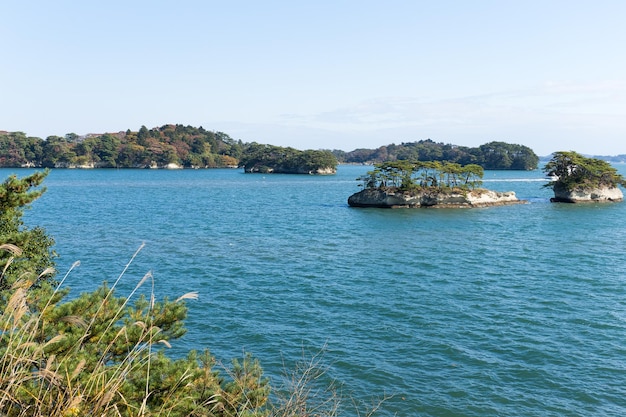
(322, 74)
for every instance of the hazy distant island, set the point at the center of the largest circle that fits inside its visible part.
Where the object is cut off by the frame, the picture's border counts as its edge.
(490, 156)
(176, 146)
(577, 179)
(434, 184)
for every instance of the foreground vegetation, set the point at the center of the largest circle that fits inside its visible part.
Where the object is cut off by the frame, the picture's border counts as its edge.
(571, 171)
(100, 354)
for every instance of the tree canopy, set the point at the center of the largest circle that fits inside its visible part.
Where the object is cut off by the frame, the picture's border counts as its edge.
(571, 171)
(413, 175)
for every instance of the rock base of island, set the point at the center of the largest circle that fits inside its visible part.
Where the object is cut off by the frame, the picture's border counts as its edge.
(587, 195)
(291, 170)
(384, 198)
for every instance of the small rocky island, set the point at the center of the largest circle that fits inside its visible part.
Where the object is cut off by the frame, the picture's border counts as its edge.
(405, 184)
(375, 197)
(579, 179)
(268, 159)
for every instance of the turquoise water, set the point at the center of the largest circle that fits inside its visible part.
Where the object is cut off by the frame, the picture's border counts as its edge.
(504, 311)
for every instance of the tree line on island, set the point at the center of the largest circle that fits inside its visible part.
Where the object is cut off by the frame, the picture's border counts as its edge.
(195, 147)
(165, 146)
(277, 159)
(409, 176)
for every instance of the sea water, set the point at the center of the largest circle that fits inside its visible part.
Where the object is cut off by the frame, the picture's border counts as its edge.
(504, 311)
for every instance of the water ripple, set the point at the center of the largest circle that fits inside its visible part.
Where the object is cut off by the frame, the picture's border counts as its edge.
(515, 311)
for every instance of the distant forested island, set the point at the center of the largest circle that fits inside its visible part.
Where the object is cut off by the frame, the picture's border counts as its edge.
(615, 159)
(179, 146)
(492, 155)
(168, 146)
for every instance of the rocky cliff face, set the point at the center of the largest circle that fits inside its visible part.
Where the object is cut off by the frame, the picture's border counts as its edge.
(377, 197)
(583, 195)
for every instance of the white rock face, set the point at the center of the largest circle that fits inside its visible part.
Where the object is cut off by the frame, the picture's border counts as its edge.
(491, 197)
(325, 171)
(297, 170)
(601, 194)
(377, 197)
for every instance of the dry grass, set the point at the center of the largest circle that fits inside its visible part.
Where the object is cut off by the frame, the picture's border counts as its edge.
(308, 391)
(66, 383)
(35, 383)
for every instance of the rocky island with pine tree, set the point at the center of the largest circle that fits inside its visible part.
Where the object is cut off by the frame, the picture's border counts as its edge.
(578, 179)
(427, 184)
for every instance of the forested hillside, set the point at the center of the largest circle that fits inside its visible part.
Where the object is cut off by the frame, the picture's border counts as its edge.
(170, 144)
(492, 155)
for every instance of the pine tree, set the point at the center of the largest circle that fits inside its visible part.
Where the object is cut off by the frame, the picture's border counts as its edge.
(28, 251)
